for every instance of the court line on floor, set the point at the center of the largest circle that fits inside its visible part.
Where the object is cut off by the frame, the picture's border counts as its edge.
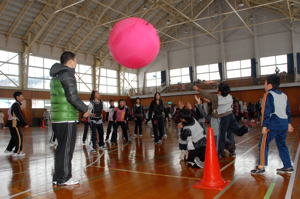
(289, 191)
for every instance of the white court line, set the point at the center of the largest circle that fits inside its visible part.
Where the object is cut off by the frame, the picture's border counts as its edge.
(289, 191)
(19, 193)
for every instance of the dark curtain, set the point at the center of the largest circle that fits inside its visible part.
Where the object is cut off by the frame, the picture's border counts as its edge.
(163, 76)
(298, 63)
(191, 74)
(290, 64)
(221, 71)
(253, 68)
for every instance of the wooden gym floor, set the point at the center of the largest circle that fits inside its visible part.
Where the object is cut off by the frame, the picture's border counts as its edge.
(141, 169)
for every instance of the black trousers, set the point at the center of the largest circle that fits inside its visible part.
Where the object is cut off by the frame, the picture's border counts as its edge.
(86, 130)
(115, 132)
(138, 125)
(110, 124)
(66, 137)
(158, 125)
(16, 139)
(99, 128)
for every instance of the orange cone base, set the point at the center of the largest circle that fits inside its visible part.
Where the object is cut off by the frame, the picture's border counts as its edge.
(217, 186)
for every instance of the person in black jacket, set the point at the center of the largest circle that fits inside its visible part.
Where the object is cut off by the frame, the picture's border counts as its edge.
(138, 113)
(65, 104)
(15, 119)
(155, 114)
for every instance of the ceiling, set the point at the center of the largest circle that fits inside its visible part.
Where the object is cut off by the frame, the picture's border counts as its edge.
(84, 25)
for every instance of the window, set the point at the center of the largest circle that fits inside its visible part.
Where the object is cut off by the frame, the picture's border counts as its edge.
(240, 68)
(38, 72)
(208, 72)
(269, 64)
(153, 79)
(108, 81)
(84, 83)
(40, 103)
(9, 62)
(181, 75)
(132, 79)
(6, 103)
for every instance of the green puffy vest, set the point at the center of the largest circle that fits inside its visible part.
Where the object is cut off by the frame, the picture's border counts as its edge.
(62, 110)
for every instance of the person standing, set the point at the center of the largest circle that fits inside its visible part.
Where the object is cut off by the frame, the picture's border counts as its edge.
(276, 122)
(156, 109)
(15, 119)
(96, 107)
(138, 112)
(1, 119)
(65, 103)
(258, 107)
(110, 119)
(46, 116)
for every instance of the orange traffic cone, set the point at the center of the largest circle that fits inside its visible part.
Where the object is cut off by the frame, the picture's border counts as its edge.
(43, 123)
(212, 175)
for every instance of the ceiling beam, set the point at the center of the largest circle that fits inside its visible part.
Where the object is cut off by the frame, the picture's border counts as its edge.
(3, 6)
(239, 16)
(17, 20)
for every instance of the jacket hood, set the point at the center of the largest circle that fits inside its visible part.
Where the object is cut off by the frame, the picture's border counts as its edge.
(56, 68)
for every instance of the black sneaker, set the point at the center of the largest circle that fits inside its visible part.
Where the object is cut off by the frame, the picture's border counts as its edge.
(258, 171)
(285, 170)
(233, 154)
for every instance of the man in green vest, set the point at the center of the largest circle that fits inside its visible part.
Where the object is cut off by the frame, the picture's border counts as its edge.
(65, 104)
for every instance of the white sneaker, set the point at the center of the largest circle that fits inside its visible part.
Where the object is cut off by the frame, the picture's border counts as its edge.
(198, 162)
(71, 181)
(6, 152)
(141, 136)
(134, 135)
(52, 143)
(165, 136)
(104, 147)
(257, 122)
(152, 135)
(18, 154)
(83, 143)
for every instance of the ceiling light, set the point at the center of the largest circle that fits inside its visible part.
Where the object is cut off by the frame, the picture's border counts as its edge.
(145, 8)
(168, 22)
(251, 17)
(185, 31)
(292, 4)
(241, 4)
(216, 13)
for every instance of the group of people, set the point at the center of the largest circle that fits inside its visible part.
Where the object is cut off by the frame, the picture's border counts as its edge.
(65, 103)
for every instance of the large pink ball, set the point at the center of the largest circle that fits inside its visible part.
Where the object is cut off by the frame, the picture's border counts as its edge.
(134, 43)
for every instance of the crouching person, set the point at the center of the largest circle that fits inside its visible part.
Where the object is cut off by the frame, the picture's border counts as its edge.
(193, 133)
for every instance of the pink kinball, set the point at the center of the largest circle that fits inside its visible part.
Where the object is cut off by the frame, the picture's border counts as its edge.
(134, 43)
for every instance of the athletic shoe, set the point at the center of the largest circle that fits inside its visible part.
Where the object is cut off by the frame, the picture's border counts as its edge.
(158, 142)
(6, 152)
(106, 140)
(251, 124)
(245, 121)
(165, 136)
(134, 135)
(233, 154)
(71, 181)
(257, 122)
(258, 171)
(92, 150)
(52, 143)
(54, 182)
(141, 136)
(103, 147)
(152, 135)
(83, 143)
(198, 162)
(21, 154)
(252, 120)
(285, 170)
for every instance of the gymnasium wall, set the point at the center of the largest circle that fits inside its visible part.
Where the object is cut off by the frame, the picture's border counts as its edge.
(246, 96)
(30, 113)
